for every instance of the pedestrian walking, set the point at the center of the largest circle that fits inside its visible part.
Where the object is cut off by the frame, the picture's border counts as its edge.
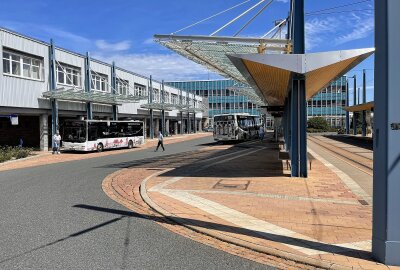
(160, 141)
(261, 133)
(57, 143)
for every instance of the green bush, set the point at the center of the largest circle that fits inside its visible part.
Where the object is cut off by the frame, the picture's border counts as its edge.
(22, 153)
(7, 153)
(318, 123)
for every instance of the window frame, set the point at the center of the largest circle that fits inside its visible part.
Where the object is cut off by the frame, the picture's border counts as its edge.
(122, 87)
(21, 64)
(101, 80)
(71, 75)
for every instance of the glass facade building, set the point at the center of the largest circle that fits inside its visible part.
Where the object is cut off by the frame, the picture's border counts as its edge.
(219, 97)
(329, 103)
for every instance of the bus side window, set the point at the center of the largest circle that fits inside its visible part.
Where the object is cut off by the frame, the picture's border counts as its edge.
(137, 129)
(102, 130)
(92, 134)
(122, 129)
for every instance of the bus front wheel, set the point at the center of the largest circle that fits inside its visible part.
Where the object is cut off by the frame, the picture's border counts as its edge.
(100, 147)
(130, 144)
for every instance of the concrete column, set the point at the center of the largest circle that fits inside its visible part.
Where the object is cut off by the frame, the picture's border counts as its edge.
(175, 128)
(167, 126)
(386, 185)
(156, 126)
(199, 124)
(44, 132)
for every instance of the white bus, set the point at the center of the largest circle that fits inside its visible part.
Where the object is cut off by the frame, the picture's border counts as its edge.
(97, 135)
(236, 127)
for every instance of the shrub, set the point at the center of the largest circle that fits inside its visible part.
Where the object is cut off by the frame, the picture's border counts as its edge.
(318, 123)
(22, 153)
(7, 153)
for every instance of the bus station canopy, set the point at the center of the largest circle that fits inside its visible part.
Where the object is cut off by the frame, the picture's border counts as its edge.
(159, 106)
(73, 94)
(264, 63)
(271, 73)
(369, 106)
(212, 52)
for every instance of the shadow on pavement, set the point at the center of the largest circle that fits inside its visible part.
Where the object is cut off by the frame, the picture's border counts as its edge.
(189, 164)
(232, 229)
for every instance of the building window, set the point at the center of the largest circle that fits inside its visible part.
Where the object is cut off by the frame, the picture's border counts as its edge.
(22, 65)
(68, 75)
(174, 98)
(99, 82)
(140, 90)
(166, 97)
(122, 87)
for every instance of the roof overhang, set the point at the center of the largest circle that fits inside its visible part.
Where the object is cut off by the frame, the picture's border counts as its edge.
(212, 52)
(369, 106)
(270, 74)
(80, 95)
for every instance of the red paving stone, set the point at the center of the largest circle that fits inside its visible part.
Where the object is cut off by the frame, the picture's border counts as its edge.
(303, 206)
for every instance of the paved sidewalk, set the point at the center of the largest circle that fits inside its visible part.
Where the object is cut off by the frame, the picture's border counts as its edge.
(45, 158)
(248, 199)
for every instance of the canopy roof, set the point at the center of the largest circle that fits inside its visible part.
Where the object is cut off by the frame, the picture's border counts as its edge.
(369, 106)
(159, 106)
(248, 92)
(271, 74)
(211, 51)
(73, 94)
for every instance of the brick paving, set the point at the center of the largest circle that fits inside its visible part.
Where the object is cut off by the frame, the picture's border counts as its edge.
(248, 204)
(45, 158)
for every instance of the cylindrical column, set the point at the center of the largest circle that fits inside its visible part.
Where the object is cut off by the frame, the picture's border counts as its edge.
(386, 184)
(354, 103)
(364, 113)
(347, 105)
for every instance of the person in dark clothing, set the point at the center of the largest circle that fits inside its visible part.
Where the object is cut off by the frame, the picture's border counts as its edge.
(160, 141)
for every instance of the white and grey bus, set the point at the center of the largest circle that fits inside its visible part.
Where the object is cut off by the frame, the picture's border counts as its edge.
(97, 135)
(236, 127)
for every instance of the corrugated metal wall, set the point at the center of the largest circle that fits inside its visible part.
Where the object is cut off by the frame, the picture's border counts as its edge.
(26, 93)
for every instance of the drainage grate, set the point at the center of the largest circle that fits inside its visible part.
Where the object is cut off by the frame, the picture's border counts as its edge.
(232, 185)
(363, 202)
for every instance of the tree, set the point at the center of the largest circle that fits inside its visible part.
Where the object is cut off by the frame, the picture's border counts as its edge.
(318, 123)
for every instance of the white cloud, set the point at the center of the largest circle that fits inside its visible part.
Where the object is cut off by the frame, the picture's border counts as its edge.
(119, 46)
(283, 1)
(167, 67)
(362, 26)
(318, 30)
(338, 30)
(149, 41)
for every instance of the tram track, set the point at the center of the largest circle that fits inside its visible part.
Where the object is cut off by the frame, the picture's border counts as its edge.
(357, 161)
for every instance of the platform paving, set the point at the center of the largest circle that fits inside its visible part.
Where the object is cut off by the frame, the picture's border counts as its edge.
(242, 194)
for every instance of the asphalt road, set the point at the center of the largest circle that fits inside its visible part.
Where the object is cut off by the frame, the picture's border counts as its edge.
(41, 227)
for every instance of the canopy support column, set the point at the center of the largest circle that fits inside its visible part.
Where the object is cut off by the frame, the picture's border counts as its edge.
(354, 103)
(88, 86)
(151, 110)
(53, 86)
(114, 91)
(386, 184)
(347, 105)
(364, 112)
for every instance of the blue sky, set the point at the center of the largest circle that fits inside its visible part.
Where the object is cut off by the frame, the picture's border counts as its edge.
(122, 30)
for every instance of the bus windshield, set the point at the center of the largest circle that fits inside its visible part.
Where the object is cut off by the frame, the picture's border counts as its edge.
(74, 132)
(245, 122)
